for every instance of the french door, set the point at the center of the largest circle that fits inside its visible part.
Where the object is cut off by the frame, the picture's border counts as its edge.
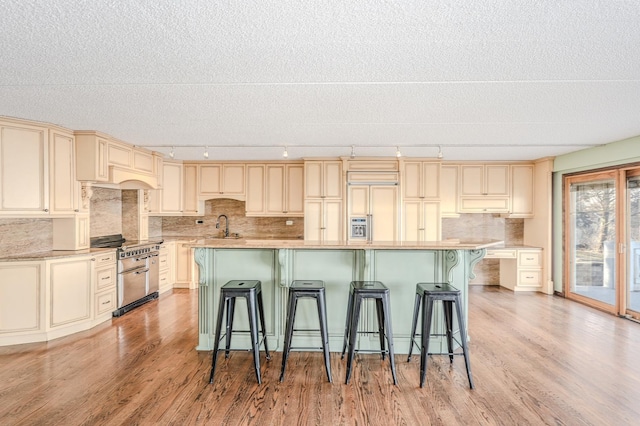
(602, 240)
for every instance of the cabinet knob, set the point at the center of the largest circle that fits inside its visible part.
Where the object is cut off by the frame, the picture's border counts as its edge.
(46, 210)
(76, 210)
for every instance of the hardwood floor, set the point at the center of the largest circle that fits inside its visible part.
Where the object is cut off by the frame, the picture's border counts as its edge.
(535, 359)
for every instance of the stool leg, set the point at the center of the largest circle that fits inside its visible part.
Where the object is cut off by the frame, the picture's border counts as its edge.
(347, 323)
(264, 325)
(380, 313)
(231, 307)
(322, 313)
(253, 326)
(463, 337)
(414, 323)
(448, 319)
(353, 332)
(386, 312)
(216, 342)
(288, 335)
(427, 311)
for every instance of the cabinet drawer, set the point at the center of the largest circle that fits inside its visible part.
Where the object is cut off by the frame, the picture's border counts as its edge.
(500, 254)
(105, 302)
(164, 260)
(105, 259)
(529, 277)
(529, 258)
(164, 282)
(105, 278)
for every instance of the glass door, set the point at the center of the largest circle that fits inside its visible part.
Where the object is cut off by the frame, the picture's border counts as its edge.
(590, 239)
(632, 241)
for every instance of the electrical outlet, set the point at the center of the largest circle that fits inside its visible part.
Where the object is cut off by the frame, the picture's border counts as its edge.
(199, 221)
(289, 223)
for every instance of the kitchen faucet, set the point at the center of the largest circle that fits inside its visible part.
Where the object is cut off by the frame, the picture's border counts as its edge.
(226, 221)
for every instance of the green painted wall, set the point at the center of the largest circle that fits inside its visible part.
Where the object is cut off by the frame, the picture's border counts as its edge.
(612, 154)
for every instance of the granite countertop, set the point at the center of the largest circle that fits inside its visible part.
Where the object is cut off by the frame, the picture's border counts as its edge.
(301, 244)
(55, 254)
(504, 246)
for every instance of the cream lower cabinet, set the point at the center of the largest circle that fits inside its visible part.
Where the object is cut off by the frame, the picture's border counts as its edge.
(69, 291)
(323, 220)
(167, 266)
(185, 266)
(421, 221)
(105, 284)
(520, 268)
(21, 302)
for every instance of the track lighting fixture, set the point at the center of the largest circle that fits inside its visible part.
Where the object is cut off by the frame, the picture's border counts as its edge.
(172, 153)
(398, 153)
(206, 152)
(439, 151)
(353, 152)
(285, 154)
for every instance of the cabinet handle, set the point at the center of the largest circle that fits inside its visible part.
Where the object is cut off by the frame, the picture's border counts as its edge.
(105, 278)
(46, 210)
(76, 210)
(529, 278)
(93, 259)
(108, 302)
(529, 258)
(323, 228)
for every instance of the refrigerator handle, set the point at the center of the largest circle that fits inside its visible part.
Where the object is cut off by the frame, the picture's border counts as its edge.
(369, 227)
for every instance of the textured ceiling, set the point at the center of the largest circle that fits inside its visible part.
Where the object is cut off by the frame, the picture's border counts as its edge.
(487, 80)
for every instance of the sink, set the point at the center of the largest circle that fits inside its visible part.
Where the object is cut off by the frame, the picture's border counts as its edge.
(230, 237)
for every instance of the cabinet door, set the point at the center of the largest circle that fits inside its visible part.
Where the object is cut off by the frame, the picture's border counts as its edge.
(171, 201)
(20, 296)
(275, 189)
(210, 182)
(497, 180)
(69, 284)
(472, 180)
(412, 179)
(449, 191)
(184, 268)
(431, 180)
(313, 223)
(294, 202)
(412, 221)
(358, 201)
(63, 186)
(384, 211)
(233, 179)
(332, 179)
(522, 190)
(190, 189)
(154, 201)
(333, 220)
(431, 221)
(255, 189)
(23, 170)
(313, 171)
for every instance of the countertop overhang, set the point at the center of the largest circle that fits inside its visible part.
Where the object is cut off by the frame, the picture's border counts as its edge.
(355, 245)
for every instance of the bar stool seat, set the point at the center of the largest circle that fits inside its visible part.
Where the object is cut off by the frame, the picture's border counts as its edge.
(358, 291)
(251, 290)
(311, 289)
(426, 295)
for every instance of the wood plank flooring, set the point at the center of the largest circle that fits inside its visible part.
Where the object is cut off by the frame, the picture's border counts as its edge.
(535, 359)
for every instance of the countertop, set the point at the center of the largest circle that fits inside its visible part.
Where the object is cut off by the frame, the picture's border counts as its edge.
(55, 254)
(301, 244)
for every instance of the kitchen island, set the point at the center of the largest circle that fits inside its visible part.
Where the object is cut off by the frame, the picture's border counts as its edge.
(399, 265)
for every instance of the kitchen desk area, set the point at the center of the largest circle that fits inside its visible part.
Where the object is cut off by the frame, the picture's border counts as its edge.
(276, 263)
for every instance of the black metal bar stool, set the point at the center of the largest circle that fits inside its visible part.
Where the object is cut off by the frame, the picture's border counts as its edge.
(426, 295)
(252, 291)
(313, 289)
(358, 291)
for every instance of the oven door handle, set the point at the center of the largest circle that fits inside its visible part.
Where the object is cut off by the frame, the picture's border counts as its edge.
(141, 272)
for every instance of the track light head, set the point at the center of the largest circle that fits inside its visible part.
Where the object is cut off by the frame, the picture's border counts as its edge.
(398, 153)
(285, 154)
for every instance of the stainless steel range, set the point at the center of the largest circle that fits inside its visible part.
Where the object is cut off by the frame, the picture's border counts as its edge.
(138, 264)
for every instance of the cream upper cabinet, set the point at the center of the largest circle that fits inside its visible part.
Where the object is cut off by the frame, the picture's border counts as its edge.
(171, 195)
(64, 188)
(24, 169)
(255, 204)
(92, 163)
(275, 189)
(484, 188)
(190, 189)
(522, 188)
(323, 179)
(221, 181)
(284, 190)
(449, 190)
(421, 180)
